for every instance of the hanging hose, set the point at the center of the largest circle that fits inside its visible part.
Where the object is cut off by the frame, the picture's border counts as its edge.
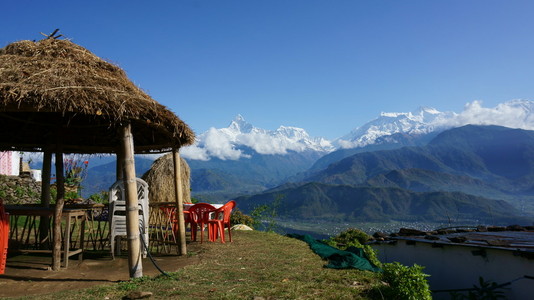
(150, 256)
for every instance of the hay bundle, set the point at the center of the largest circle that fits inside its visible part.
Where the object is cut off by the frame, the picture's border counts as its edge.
(58, 77)
(160, 179)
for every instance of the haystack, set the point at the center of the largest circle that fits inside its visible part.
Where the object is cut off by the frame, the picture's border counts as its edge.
(160, 179)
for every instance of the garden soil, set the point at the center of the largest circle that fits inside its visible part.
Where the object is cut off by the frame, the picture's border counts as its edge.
(30, 274)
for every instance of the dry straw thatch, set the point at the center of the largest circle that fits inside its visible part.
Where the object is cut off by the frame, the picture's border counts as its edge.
(160, 179)
(52, 86)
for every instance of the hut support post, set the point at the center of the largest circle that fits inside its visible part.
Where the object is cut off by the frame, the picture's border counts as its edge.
(119, 175)
(132, 207)
(178, 195)
(60, 201)
(45, 194)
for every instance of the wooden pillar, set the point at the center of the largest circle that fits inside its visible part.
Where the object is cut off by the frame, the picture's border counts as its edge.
(132, 207)
(60, 201)
(45, 194)
(119, 175)
(45, 178)
(178, 196)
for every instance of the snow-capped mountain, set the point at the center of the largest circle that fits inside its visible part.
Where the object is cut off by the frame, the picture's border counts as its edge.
(225, 143)
(513, 114)
(419, 122)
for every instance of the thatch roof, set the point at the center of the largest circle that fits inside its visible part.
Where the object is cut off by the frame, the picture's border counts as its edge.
(53, 89)
(160, 179)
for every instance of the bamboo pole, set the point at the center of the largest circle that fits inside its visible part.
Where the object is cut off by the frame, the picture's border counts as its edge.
(178, 196)
(119, 175)
(60, 201)
(132, 207)
(45, 194)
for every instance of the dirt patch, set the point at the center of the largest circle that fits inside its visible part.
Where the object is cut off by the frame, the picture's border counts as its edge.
(28, 275)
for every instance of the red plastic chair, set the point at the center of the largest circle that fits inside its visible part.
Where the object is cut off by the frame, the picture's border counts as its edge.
(199, 215)
(220, 220)
(170, 212)
(4, 237)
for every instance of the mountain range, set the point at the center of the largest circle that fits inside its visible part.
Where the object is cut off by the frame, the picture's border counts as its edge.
(494, 154)
(474, 173)
(420, 153)
(263, 158)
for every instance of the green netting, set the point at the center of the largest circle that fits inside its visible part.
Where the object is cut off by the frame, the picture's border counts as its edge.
(352, 258)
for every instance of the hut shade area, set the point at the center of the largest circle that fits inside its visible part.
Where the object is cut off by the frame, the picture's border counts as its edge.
(58, 97)
(53, 87)
(160, 179)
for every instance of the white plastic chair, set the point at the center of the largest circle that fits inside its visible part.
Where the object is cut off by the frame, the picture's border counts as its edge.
(117, 213)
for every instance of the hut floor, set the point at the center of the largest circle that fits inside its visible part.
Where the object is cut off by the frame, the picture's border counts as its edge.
(30, 274)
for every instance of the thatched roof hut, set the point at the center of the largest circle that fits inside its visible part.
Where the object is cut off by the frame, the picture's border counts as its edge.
(52, 84)
(58, 97)
(160, 179)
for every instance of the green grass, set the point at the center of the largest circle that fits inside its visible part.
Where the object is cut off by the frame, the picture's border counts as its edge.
(255, 264)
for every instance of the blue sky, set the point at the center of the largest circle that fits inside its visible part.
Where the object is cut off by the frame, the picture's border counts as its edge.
(325, 66)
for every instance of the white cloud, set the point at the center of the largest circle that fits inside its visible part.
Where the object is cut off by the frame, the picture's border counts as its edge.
(220, 145)
(345, 144)
(213, 143)
(264, 143)
(194, 152)
(513, 114)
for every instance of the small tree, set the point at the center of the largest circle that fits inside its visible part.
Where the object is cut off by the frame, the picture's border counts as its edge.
(265, 215)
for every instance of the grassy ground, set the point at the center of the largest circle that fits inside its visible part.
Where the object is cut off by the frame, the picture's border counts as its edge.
(255, 264)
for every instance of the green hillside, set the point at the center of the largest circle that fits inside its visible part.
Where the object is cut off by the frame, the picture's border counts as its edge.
(219, 180)
(389, 142)
(421, 180)
(489, 161)
(378, 204)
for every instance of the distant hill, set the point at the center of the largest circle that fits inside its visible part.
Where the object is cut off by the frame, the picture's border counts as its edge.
(101, 177)
(344, 203)
(388, 142)
(250, 174)
(481, 160)
(420, 180)
(494, 150)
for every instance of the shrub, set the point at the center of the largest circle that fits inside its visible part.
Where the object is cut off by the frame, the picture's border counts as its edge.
(238, 217)
(69, 195)
(405, 282)
(356, 238)
(101, 197)
(350, 237)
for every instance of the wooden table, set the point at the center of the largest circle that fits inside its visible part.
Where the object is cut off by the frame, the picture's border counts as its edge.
(28, 235)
